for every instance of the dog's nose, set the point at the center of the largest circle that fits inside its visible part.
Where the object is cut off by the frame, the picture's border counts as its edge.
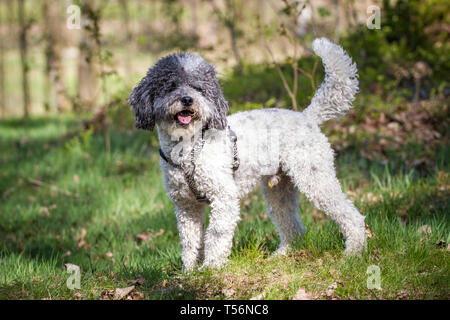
(187, 101)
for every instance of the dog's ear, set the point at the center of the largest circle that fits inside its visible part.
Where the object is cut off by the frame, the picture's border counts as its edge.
(218, 119)
(141, 103)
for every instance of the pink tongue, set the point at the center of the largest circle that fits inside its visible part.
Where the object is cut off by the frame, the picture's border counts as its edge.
(184, 119)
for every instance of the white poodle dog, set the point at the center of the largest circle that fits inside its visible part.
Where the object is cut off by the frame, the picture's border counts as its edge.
(208, 158)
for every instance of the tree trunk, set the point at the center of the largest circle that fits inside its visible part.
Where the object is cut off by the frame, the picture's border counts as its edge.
(2, 66)
(337, 21)
(128, 33)
(235, 47)
(23, 57)
(228, 17)
(194, 19)
(232, 26)
(88, 64)
(56, 89)
(126, 20)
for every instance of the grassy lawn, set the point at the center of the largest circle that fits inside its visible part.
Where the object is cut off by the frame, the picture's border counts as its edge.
(97, 200)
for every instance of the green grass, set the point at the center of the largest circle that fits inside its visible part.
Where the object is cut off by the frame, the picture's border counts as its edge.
(78, 199)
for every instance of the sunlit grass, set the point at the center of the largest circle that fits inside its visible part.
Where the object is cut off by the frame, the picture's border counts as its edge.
(73, 199)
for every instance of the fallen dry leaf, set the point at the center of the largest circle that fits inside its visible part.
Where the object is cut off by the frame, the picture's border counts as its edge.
(139, 282)
(44, 211)
(109, 255)
(424, 231)
(403, 211)
(121, 293)
(80, 238)
(330, 290)
(369, 232)
(228, 292)
(372, 198)
(135, 295)
(117, 294)
(259, 296)
(149, 234)
(402, 294)
(443, 177)
(376, 254)
(66, 254)
(301, 294)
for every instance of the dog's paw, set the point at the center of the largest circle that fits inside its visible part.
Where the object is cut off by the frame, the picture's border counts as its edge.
(355, 246)
(215, 264)
(187, 269)
(281, 251)
(348, 252)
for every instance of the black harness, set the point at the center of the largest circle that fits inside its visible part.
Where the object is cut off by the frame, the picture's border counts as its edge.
(190, 171)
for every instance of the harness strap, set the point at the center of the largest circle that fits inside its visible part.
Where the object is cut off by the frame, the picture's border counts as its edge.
(233, 138)
(189, 174)
(168, 160)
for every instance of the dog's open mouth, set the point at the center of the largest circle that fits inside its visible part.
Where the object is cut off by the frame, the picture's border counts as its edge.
(184, 117)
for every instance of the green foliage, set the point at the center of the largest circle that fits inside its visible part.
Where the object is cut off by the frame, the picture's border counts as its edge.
(174, 11)
(262, 85)
(81, 144)
(411, 32)
(324, 12)
(118, 111)
(92, 204)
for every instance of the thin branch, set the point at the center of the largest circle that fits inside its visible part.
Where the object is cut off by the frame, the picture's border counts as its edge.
(283, 78)
(313, 73)
(295, 83)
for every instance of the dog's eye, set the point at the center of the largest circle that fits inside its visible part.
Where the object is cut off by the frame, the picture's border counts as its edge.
(172, 86)
(197, 89)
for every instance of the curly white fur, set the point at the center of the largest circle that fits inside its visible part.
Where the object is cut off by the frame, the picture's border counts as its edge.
(337, 92)
(283, 150)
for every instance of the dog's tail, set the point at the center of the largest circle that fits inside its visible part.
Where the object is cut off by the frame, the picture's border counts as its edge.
(337, 91)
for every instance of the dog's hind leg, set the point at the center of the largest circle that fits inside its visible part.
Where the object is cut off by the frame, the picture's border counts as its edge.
(323, 189)
(282, 207)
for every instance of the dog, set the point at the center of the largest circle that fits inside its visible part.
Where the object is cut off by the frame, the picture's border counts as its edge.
(208, 158)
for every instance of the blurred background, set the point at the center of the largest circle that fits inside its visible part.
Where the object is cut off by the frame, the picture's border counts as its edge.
(60, 57)
(56, 57)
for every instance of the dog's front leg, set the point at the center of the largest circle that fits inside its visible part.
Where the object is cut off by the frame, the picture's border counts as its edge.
(219, 234)
(191, 229)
